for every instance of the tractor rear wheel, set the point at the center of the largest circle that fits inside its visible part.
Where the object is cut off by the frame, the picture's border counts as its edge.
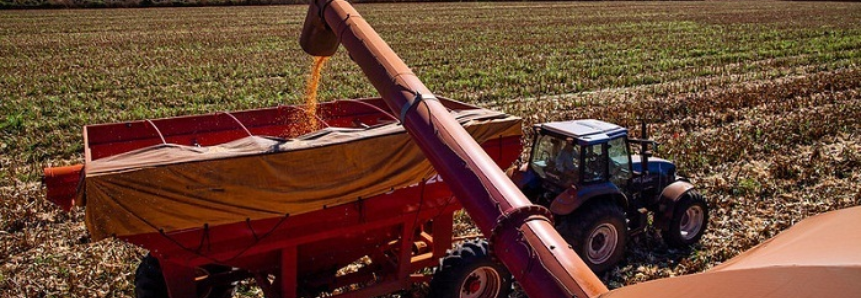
(468, 271)
(149, 281)
(597, 232)
(690, 218)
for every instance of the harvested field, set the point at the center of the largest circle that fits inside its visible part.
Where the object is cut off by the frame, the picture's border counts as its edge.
(758, 102)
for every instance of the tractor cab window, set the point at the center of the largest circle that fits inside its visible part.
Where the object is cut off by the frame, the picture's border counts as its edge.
(620, 162)
(595, 163)
(566, 159)
(543, 153)
(566, 164)
(557, 158)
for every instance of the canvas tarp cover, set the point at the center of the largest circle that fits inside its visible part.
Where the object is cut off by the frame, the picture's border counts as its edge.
(173, 187)
(818, 257)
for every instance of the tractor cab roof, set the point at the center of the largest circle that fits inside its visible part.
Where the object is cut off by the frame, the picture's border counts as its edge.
(586, 131)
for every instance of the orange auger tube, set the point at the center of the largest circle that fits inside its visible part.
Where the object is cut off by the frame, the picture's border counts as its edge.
(521, 234)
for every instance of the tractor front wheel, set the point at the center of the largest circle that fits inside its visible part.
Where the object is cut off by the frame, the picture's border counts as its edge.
(690, 218)
(149, 281)
(597, 232)
(468, 271)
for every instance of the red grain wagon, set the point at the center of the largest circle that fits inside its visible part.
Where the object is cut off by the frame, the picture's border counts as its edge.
(353, 207)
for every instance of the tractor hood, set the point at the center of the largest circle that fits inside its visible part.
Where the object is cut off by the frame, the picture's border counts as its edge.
(656, 165)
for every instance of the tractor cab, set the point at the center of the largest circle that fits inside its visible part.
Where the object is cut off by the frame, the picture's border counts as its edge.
(581, 153)
(599, 192)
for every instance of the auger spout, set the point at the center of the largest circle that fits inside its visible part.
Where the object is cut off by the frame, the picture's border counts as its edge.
(521, 234)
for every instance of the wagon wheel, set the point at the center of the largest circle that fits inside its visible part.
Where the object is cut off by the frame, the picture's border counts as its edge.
(469, 272)
(597, 232)
(689, 222)
(149, 281)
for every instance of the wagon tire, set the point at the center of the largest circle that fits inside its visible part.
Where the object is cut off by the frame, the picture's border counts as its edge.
(468, 271)
(149, 282)
(597, 232)
(689, 222)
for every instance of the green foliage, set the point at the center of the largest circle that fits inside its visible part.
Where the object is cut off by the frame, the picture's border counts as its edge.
(12, 124)
(78, 67)
(747, 186)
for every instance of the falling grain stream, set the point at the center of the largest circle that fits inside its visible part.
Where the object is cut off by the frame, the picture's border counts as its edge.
(311, 93)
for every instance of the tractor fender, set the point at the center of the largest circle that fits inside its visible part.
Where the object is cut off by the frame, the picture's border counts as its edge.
(572, 198)
(667, 202)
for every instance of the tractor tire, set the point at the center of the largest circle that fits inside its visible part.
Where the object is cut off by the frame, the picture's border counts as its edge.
(689, 222)
(597, 232)
(149, 282)
(468, 271)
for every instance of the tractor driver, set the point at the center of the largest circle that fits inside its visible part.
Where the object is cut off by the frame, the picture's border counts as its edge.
(566, 161)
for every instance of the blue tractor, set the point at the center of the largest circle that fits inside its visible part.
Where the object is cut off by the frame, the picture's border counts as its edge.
(599, 193)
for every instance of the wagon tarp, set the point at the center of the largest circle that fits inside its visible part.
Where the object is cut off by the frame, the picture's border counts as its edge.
(173, 187)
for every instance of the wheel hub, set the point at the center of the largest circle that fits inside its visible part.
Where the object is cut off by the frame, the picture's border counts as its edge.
(691, 222)
(483, 282)
(473, 284)
(602, 243)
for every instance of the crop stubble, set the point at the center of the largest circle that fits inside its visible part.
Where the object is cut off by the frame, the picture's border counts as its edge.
(758, 102)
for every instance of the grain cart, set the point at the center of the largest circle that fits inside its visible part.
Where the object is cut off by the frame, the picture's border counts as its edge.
(583, 171)
(228, 196)
(354, 209)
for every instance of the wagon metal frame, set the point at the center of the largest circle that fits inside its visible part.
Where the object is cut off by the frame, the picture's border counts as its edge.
(395, 235)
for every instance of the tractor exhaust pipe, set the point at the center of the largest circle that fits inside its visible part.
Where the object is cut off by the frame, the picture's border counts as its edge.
(520, 234)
